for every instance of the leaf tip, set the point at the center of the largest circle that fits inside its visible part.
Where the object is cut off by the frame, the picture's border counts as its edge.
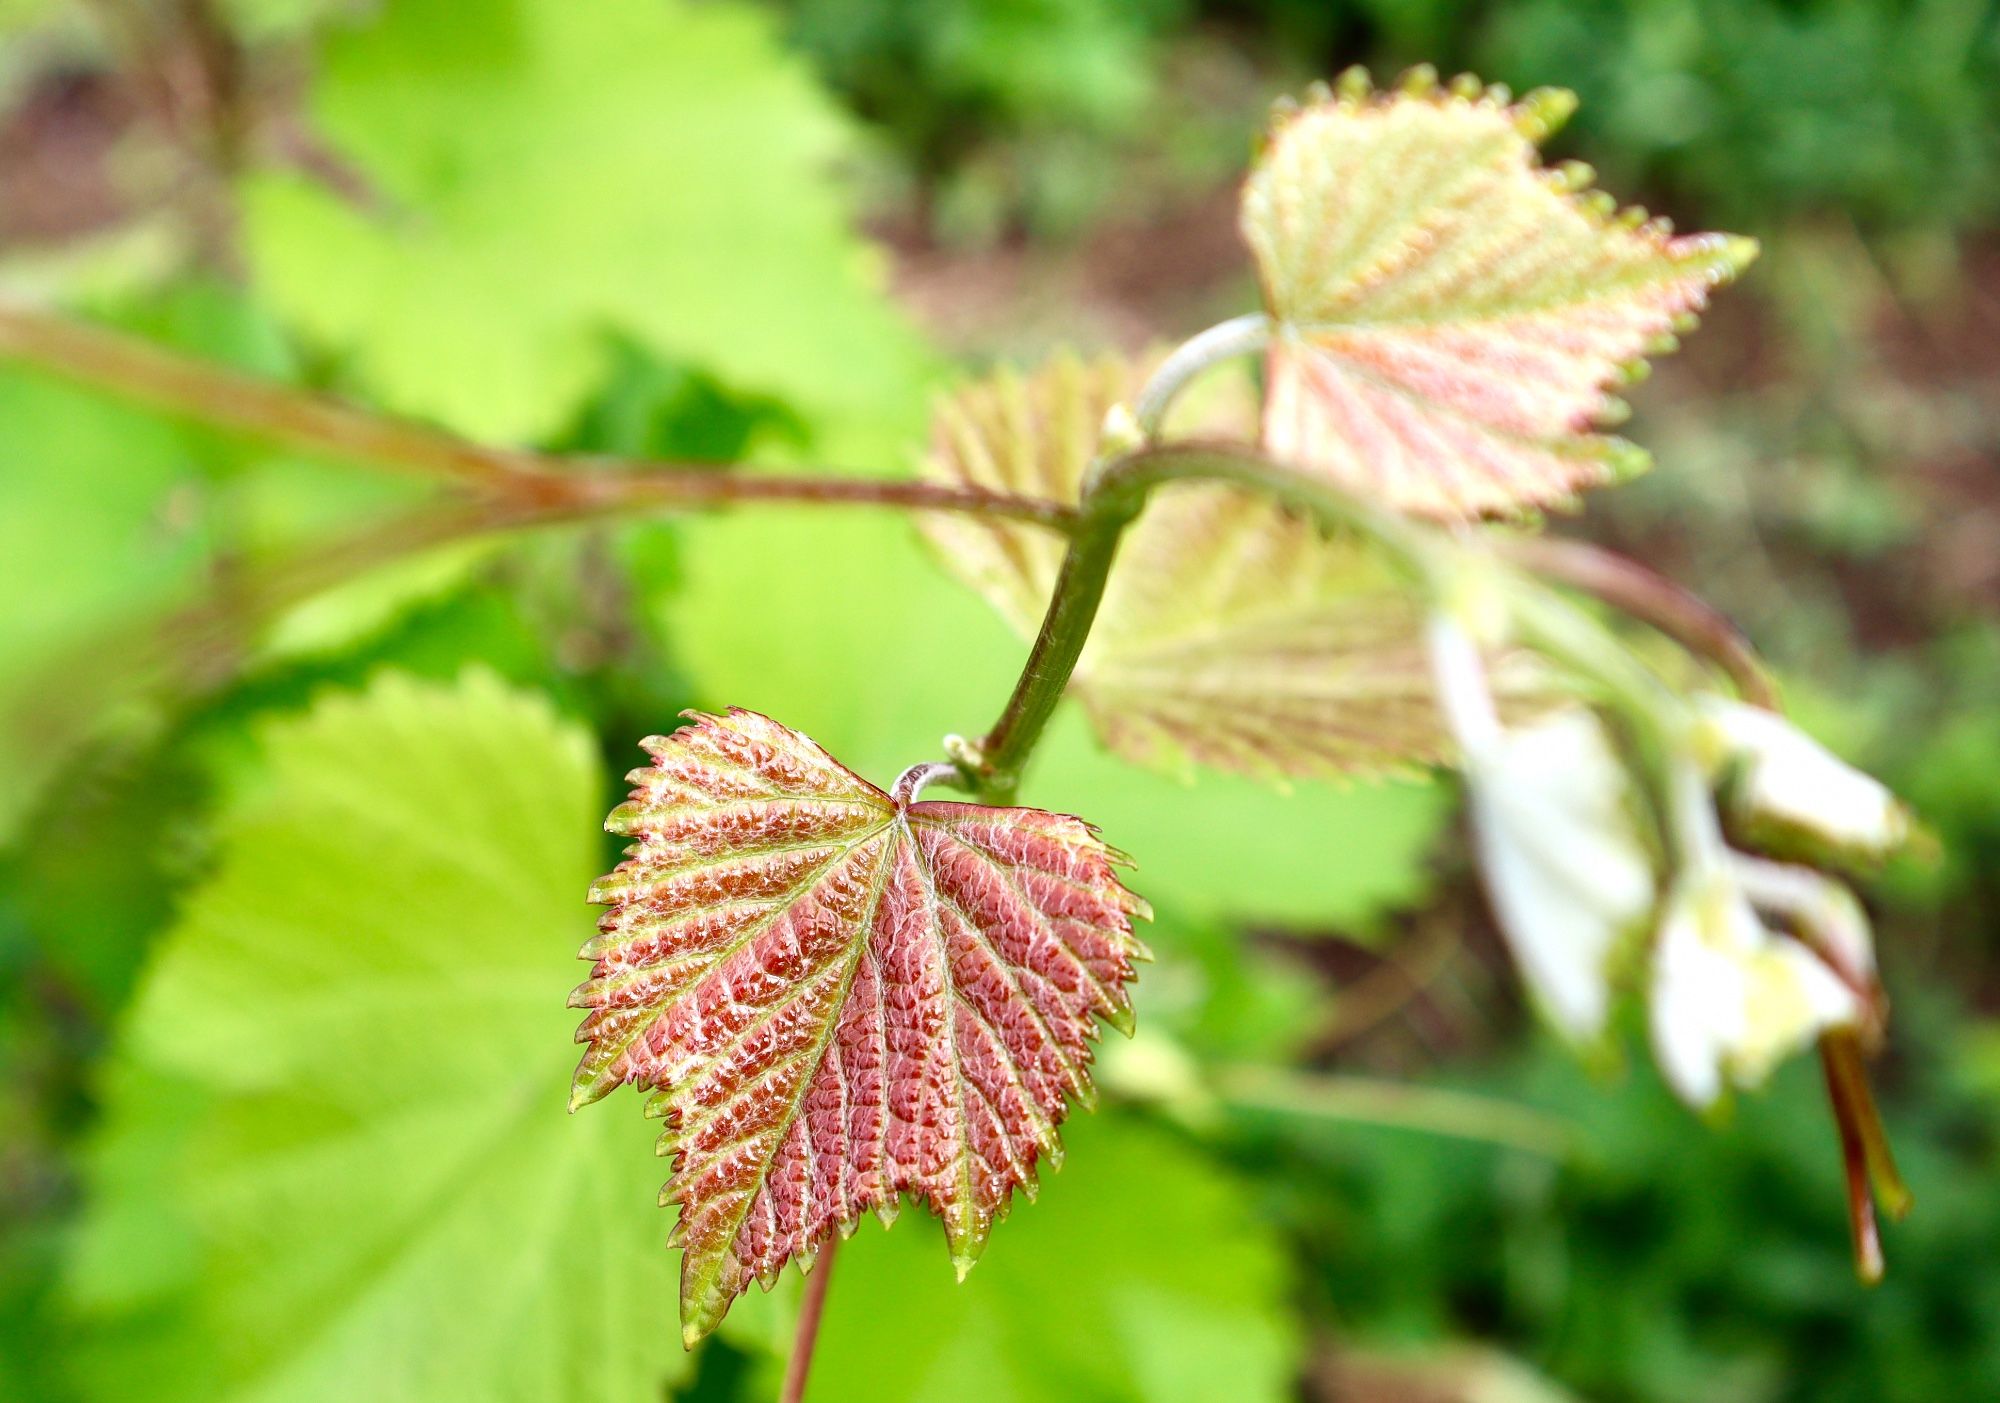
(1544, 112)
(1739, 251)
(965, 1258)
(1123, 1017)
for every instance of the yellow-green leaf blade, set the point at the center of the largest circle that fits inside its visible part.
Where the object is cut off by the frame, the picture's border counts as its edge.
(1233, 634)
(334, 1157)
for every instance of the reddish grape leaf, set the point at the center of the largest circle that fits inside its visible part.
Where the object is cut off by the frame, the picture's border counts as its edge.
(1233, 633)
(839, 996)
(1450, 315)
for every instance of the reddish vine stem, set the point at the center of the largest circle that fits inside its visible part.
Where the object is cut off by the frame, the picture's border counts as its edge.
(1861, 1222)
(1647, 595)
(810, 1311)
(131, 367)
(1865, 1155)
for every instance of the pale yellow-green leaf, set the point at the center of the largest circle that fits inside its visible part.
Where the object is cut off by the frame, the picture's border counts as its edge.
(525, 181)
(1450, 316)
(333, 1162)
(1233, 633)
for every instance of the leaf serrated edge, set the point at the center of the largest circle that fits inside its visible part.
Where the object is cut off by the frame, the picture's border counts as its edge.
(702, 1306)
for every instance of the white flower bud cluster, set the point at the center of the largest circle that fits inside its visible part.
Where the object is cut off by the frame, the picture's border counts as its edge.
(1745, 960)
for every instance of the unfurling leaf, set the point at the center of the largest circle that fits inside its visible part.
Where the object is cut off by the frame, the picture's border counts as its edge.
(1233, 633)
(1449, 315)
(839, 996)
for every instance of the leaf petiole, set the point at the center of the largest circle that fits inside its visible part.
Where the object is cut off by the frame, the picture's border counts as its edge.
(1239, 336)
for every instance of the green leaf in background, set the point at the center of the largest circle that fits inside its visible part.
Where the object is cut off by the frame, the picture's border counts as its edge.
(1138, 1273)
(1225, 846)
(155, 515)
(838, 623)
(335, 1163)
(537, 175)
(108, 475)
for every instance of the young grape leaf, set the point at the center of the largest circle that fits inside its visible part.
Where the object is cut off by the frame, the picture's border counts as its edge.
(1233, 633)
(333, 1162)
(827, 589)
(839, 996)
(1449, 315)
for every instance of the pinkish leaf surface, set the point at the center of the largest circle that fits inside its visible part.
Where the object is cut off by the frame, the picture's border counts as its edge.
(1449, 315)
(838, 997)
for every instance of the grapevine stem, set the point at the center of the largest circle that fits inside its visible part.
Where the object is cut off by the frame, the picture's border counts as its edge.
(1238, 336)
(129, 366)
(1079, 589)
(914, 780)
(810, 1311)
(1113, 495)
(1646, 595)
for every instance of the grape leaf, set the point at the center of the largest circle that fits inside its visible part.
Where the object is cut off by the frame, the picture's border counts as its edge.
(1448, 314)
(535, 178)
(839, 996)
(828, 589)
(333, 1163)
(1233, 633)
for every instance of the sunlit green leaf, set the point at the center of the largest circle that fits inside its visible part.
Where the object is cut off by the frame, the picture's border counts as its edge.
(335, 1163)
(1140, 1273)
(525, 178)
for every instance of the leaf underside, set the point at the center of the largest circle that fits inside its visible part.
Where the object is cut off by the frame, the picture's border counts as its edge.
(1450, 315)
(837, 998)
(1233, 633)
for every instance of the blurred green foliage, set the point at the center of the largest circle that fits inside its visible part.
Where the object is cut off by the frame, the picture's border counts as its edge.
(1753, 112)
(1668, 1263)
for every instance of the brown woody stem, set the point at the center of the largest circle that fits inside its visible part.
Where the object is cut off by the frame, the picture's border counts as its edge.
(1870, 1166)
(1861, 1221)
